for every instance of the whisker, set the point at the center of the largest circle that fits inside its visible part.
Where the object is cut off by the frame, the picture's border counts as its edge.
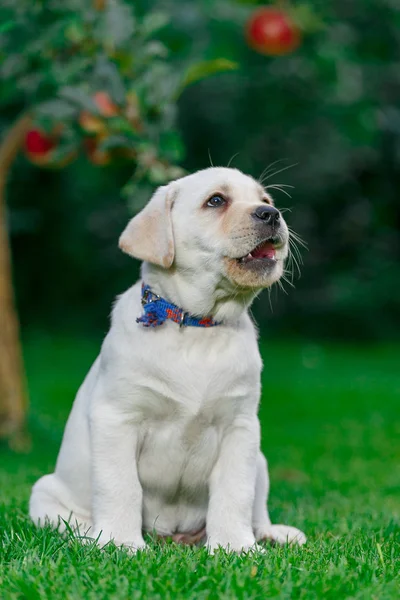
(295, 262)
(288, 281)
(277, 187)
(289, 274)
(209, 157)
(280, 284)
(265, 171)
(269, 175)
(269, 299)
(295, 233)
(295, 242)
(231, 159)
(294, 247)
(280, 185)
(298, 239)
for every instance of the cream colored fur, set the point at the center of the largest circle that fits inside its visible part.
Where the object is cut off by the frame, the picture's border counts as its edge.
(163, 435)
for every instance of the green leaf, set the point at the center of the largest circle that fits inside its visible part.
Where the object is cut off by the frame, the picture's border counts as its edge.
(64, 73)
(75, 31)
(116, 141)
(152, 22)
(107, 77)
(79, 97)
(121, 125)
(58, 110)
(306, 18)
(207, 68)
(117, 24)
(155, 49)
(7, 26)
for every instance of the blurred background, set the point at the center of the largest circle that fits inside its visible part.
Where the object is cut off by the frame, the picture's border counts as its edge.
(201, 87)
(122, 96)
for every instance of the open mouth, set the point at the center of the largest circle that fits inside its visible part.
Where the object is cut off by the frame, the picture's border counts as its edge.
(265, 251)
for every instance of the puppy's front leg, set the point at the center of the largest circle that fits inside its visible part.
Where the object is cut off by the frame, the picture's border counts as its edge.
(263, 529)
(116, 489)
(232, 487)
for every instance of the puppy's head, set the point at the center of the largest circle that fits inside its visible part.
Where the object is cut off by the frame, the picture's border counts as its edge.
(218, 220)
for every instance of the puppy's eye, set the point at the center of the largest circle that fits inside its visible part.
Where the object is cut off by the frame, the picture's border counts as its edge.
(216, 201)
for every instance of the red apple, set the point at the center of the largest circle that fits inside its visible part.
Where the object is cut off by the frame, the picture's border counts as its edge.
(38, 143)
(40, 148)
(271, 31)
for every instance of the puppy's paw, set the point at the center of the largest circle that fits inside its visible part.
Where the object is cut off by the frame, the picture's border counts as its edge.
(238, 544)
(132, 545)
(281, 534)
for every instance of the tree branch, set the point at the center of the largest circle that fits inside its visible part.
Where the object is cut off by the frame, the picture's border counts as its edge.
(13, 396)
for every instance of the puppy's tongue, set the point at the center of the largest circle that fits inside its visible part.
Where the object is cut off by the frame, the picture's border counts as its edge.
(265, 250)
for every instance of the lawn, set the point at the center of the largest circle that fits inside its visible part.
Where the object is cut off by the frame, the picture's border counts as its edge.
(331, 430)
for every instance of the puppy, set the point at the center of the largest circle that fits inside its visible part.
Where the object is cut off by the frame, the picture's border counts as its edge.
(163, 435)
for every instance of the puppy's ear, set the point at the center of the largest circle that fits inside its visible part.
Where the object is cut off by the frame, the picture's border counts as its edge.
(149, 235)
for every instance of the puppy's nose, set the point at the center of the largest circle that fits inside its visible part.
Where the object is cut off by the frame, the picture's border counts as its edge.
(268, 214)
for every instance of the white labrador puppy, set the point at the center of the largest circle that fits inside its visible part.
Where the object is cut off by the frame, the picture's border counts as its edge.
(163, 436)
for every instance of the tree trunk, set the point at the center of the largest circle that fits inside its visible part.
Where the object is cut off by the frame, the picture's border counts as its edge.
(13, 396)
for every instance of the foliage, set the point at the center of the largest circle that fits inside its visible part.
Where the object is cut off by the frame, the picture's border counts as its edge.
(331, 107)
(331, 441)
(91, 49)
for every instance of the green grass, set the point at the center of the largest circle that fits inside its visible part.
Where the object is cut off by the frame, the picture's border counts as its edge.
(331, 429)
